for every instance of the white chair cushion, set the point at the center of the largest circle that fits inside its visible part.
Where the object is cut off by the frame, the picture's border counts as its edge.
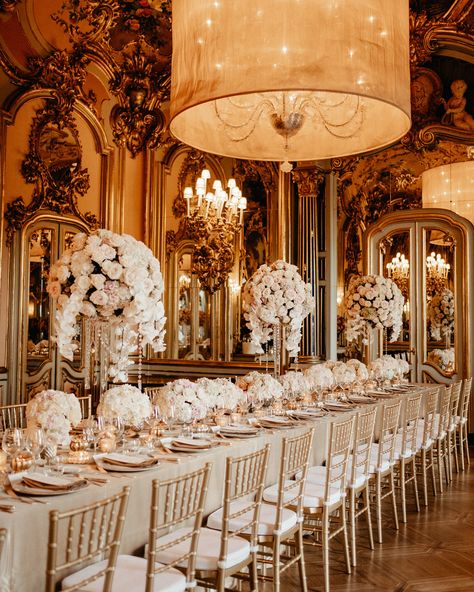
(208, 550)
(318, 477)
(266, 523)
(130, 574)
(313, 495)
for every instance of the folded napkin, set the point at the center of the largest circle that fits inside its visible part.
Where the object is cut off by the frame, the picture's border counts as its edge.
(239, 429)
(126, 460)
(51, 482)
(306, 414)
(192, 444)
(276, 421)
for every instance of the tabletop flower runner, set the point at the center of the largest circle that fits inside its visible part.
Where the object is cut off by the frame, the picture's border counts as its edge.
(373, 302)
(115, 283)
(275, 297)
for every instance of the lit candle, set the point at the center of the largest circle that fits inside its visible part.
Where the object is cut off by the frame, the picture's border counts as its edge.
(188, 194)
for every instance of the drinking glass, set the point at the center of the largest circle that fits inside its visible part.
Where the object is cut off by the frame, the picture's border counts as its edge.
(169, 416)
(119, 427)
(35, 439)
(12, 441)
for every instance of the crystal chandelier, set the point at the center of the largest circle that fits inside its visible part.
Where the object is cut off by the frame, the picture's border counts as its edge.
(437, 271)
(288, 79)
(213, 218)
(398, 270)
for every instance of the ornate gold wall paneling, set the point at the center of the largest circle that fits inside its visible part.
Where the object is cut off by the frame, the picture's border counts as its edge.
(8, 5)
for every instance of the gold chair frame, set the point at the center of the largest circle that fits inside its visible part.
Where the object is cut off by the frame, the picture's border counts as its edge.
(462, 430)
(425, 455)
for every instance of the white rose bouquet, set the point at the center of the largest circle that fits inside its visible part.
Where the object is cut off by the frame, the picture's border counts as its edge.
(114, 278)
(373, 302)
(55, 412)
(125, 401)
(359, 368)
(319, 376)
(260, 387)
(442, 358)
(385, 368)
(441, 314)
(221, 393)
(343, 374)
(189, 399)
(295, 384)
(277, 294)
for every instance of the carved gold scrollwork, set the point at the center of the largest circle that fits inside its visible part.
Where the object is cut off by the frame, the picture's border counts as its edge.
(88, 22)
(308, 180)
(191, 168)
(53, 164)
(142, 85)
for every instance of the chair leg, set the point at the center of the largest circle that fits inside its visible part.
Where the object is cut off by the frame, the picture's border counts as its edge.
(325, 543)
(460, 443)
(447, 459)
(394, 500)
(424, 477)
(220, 584)
(402, 469)
(466, 443)
(352, 521)
(378, 507)
(276, 565)
(440, 459)
(346, 538)
(415, 484)
(368, 516)
(253, 573)
(455, 450)
(301, 565)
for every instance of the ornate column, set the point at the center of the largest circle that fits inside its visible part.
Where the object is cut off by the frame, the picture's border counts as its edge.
(311, 254)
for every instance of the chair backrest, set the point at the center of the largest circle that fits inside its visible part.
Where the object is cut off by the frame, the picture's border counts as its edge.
(294, 461)
(244, 480)
(430, 404)
(465, 399)
(84, 535)
(340, 444)
(86, 406)
(444, 415)
(363, 437)
(176, 502)
(13, 416)
(386, 447)
(454, 401)
(411, 416)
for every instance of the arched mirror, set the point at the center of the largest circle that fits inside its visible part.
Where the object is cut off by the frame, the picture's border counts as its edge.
(429, 254)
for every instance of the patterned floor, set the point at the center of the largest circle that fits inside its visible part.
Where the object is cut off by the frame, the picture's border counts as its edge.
(433, 552)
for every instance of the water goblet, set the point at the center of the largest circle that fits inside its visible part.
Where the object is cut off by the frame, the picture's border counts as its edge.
(35, 440)
(11, 441)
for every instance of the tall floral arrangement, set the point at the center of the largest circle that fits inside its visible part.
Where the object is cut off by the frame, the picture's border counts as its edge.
(221, 393)
(441, 314)
(373, 302)
(125, 401)
(55, 412)
(275, 295)
(114, 278)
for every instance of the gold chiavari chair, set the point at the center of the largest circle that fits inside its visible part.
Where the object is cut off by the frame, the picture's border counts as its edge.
(406, 448)
(453, 423)
(426, 437)
(85, 535)
(228, 544)
(324, 502)
(13, 416)
(287, 498)
(440, 448)
(86, 406)
(382, 482)
(462, 430)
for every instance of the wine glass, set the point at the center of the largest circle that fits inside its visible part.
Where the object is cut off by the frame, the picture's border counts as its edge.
(119, 427)
(35, 439)
(11, 441)
(169, 416)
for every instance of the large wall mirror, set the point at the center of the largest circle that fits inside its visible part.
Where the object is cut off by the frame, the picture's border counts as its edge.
(429, 254)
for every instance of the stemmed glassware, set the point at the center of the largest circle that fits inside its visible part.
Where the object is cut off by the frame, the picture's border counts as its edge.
(169, 416)
(35, 440)
(12, 440)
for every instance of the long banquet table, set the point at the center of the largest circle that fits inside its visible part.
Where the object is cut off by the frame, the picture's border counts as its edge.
(23, 565)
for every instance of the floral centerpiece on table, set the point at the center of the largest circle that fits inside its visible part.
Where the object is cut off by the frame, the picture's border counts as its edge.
(114, 278)
(373, 302)
(189, 399)
(360, 369)
(343, 374)
(387, 368)
(125, 401)
(320, 377)
(55, 412)
(441, 314)
(221, 393)
(442, 358)
(277, 295)
(295, 385)
(260, 387)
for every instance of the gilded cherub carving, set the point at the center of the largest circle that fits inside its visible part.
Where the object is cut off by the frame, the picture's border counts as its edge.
(456, 108)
